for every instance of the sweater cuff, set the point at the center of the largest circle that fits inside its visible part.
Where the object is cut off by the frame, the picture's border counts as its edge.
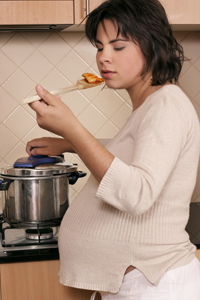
(108, 183)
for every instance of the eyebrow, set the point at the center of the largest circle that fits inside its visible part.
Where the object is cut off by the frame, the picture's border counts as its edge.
(112, 41)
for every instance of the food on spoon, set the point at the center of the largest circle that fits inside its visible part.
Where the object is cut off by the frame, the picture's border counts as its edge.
(91, 78)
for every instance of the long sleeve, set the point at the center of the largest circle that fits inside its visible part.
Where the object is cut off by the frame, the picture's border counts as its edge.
(160, 133)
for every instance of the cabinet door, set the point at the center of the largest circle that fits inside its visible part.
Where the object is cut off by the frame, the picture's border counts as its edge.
(36, 281)
(36, 12)
(182, 12)
(81, 8)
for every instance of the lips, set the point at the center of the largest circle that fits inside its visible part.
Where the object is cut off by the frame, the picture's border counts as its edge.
(107, 74)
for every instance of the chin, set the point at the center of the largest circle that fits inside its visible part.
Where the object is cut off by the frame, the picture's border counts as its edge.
(113, 86)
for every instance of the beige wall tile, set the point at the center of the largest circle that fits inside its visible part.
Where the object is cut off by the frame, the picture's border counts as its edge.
(36, 66)
(107, 131)
(197, 99)
(190, 82)
(8, 141)
(194, 51)
(54, 80)
(108, 102)
(8, 104)
(72, 66)
(18, 49)
(197, 64)
(86, 50)
(54, 48)
(94, 67)
(36, 132)
(7, 68)
(121, 115)
(197, 107)
(76, 101)
(18, 151)
(92, 119)
(72, 38)
(124, 95)
(2, 164)
(180, 35)
(186, 66)
(35, 38)
(19, 85)
(5, 36)
(27, 107)
(20, 122)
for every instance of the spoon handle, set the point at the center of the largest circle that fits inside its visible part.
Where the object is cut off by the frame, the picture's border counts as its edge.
(55, 92)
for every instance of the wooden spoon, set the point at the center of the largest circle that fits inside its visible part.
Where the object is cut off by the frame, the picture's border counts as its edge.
(80, 85)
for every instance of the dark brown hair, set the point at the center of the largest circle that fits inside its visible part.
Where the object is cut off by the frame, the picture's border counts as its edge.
(145, 23)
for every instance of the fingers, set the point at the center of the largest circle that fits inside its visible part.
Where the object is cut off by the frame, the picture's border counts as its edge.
(29, 147)
(52, 114)
(34, 147)
(39, 151)
(47, 99)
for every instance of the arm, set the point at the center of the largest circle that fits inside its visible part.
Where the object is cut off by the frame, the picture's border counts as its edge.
(53, 115)
(159, 138)
(51, 146)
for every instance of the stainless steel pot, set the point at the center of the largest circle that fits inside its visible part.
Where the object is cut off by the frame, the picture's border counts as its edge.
(37, 195)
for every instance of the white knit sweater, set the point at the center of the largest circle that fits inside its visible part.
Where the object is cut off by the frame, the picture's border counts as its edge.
(138, 213)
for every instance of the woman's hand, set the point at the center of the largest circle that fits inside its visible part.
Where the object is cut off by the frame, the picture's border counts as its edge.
(53, 115)
(48, 146)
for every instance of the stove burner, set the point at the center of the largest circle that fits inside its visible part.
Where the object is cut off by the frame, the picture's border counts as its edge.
(39, 234)
(39, 237)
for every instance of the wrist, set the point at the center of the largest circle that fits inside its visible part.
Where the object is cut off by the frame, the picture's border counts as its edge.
(66, 146)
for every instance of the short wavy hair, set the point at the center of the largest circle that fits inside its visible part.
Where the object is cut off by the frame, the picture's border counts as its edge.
(144, 22)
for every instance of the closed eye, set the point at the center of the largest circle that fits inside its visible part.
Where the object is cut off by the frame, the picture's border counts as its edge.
(116, 49)
(119, 48)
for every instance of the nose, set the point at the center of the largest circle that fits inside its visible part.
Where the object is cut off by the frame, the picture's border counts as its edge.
(104, 55)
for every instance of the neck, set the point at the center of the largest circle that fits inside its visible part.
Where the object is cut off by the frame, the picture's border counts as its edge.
(140, 92)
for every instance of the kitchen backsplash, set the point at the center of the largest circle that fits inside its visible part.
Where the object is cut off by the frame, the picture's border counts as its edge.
(57, 60)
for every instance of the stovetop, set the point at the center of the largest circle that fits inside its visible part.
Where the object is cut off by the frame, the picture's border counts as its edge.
(16, 247)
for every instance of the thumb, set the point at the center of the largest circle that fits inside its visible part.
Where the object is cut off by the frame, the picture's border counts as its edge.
(45, 95)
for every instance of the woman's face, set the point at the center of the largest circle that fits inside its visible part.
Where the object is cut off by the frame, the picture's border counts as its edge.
(120, 61)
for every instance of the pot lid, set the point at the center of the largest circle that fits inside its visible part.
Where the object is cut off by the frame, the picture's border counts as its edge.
(35, 160)
(39, 171)
(40, 165)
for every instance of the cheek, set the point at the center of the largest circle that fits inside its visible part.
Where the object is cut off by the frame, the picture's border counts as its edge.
(135, 64)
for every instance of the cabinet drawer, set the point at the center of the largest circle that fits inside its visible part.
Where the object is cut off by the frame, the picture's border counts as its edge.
(36, 12)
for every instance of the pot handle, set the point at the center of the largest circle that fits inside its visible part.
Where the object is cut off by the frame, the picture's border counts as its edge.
(4, 185)
(75, 176)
